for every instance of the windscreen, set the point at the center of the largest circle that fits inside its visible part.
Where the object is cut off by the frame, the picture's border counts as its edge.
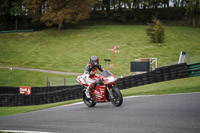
(105, 73)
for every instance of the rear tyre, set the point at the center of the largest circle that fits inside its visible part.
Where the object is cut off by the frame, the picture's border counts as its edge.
(88, 101)
(117, 99)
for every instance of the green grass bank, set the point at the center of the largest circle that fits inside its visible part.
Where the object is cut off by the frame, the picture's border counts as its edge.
(69, 50)
(34, 79)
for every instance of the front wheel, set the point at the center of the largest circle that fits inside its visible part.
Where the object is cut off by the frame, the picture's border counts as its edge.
(116, 98)
(88, 101)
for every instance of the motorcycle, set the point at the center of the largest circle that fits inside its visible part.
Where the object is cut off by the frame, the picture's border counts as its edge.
(104, 91)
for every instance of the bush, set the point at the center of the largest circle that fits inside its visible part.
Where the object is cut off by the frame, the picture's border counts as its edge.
(156, 31)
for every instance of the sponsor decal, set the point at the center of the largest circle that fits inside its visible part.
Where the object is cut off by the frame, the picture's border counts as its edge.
(98, 94)
(102, 90)
(25, 90)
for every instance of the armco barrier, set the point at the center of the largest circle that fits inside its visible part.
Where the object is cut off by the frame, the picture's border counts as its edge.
(13, 31)
(9, 96)
(35, 90)
(60, 94)
(194, 69)
(160, 74)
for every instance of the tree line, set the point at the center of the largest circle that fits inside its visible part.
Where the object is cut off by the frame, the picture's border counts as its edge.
(60, 12)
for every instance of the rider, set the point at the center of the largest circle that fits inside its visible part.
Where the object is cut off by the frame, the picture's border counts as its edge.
(90, 71)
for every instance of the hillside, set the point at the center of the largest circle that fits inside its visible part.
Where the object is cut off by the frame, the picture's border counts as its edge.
(69, 50)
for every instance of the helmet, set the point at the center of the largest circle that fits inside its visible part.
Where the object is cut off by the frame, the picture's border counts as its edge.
(94, 60)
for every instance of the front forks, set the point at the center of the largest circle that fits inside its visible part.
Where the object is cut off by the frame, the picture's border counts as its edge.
(109, 88)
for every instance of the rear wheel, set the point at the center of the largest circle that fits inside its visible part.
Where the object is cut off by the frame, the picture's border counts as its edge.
(117, 98)
(88, 101)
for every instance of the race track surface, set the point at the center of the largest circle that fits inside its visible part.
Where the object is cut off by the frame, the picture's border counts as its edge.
(179, 113)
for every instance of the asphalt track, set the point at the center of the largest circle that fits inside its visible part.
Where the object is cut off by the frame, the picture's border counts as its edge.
(178, 113)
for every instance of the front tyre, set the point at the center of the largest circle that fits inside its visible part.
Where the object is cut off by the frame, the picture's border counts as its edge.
(88, 101)
(117, 98)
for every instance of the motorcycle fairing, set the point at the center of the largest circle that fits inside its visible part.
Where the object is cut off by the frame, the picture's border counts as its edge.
(99, 94)
(81, 80)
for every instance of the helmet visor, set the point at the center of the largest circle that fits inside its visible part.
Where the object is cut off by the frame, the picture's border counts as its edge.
(95, 63)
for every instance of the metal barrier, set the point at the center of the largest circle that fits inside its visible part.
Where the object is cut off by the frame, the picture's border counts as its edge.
(13, 31)
(9, 96)
(194, 69)
(158, 75)
(39, 95)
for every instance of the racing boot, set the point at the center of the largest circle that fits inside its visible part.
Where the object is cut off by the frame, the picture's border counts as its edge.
(89, 90)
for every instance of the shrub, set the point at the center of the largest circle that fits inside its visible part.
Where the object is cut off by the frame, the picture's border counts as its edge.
(156, 31)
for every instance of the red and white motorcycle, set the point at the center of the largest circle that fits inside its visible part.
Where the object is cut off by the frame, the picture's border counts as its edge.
(105, 90)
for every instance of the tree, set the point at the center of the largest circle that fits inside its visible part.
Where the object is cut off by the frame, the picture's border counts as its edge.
(35, 9)
(192, 8)
(166, 3)
(156, 3)
(113, 4)
(156, 31)
(70, 11)
(107, 5)
(4, 11)
(59, 11)
(9, 10)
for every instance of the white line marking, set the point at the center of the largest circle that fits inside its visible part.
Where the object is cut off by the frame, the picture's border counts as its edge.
(139, 96)
(18, 131)
(70, 104)
(74, 104)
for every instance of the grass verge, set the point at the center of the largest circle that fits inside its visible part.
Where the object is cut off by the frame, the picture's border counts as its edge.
(34, 79)
(6, 111)
(185, 85)
(70, 49)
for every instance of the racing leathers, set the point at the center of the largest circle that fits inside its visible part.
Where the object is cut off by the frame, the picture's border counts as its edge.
(89, 72)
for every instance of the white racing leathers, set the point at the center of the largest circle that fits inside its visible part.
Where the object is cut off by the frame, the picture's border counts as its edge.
(90, 71)
(89, 81)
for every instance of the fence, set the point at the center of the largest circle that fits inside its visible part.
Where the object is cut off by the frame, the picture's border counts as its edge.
(158, 75)
(61, 81)
(194, 69)
(9, 96)
(13, 31)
